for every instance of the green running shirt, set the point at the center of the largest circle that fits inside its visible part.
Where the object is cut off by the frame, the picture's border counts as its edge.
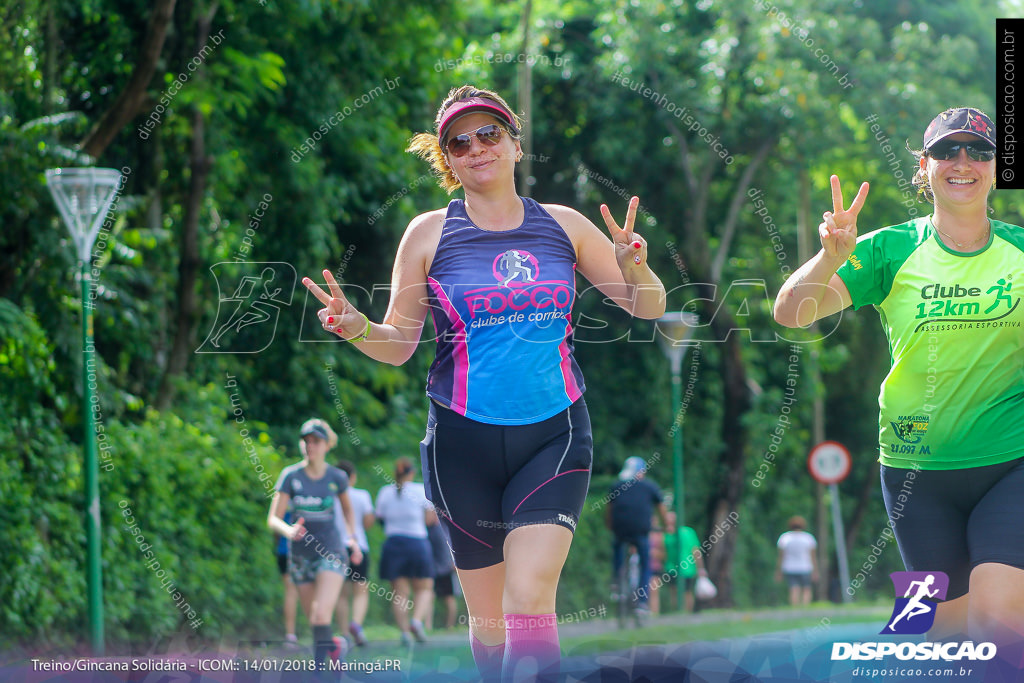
(954, 396)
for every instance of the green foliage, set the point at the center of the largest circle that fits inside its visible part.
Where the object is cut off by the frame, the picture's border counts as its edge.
(40, 484)
(189, 480)
(197, 487)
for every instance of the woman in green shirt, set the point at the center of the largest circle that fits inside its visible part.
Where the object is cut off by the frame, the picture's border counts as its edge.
(951, 431)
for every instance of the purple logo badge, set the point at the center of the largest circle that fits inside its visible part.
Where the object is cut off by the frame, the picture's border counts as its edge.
(917, 594)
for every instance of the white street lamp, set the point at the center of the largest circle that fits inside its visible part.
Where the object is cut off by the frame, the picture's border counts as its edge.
(84, 197)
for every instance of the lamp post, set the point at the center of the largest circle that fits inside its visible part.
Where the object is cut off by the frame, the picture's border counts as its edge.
(84, 197)
(676, 328)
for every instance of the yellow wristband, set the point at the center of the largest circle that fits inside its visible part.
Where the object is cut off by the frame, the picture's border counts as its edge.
(366, 332)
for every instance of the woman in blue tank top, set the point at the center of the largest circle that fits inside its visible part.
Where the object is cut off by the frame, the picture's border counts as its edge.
(507, 453)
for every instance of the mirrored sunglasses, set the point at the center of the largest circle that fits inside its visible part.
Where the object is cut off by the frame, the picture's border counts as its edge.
(976, 151)
(488, 135)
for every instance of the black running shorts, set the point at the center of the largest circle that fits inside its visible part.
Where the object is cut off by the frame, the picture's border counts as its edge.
(486, 480)
(953, 520)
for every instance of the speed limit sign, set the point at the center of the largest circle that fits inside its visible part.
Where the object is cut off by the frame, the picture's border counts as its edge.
(829, 462)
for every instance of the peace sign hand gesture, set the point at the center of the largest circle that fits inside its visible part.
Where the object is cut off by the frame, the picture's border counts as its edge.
(838, 230)
(630, 248)
(339, 315)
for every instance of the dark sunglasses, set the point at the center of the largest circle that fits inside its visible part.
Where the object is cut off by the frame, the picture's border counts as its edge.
(951, 150)
(488, 135)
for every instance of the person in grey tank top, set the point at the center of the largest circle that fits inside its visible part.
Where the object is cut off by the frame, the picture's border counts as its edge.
(316, 555)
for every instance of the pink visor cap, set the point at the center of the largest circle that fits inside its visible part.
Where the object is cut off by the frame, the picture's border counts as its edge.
(475, 105)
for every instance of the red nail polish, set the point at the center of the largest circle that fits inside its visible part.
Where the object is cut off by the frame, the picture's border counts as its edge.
(330, 319)
(636, 245)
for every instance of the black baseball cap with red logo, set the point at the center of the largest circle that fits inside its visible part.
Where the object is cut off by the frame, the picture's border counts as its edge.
(960, 120)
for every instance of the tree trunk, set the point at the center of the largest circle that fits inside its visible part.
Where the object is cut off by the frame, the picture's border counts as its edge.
(526, 104)
(188, 249)
(50, 59)
(128, 103)
(706, 269)
(863, 500)
(151, 162)
(727, 497)
(188, 266)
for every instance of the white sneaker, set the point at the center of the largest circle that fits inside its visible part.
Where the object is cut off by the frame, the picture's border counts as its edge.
(417, 631)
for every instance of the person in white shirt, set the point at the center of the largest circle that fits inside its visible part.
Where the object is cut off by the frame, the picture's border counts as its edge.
(406, 560)
(797, 561)
(357, 587)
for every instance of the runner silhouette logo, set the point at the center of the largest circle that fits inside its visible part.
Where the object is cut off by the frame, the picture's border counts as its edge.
(914, 612)
(515, 265)
(250, 298)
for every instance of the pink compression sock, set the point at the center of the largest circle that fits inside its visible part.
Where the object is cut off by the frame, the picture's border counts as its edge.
(531, 646)
(488, 658)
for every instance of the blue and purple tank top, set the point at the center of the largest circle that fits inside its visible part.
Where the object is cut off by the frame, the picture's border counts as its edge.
(501, 302)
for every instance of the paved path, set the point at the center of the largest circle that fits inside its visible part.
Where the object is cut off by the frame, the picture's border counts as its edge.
(599, 626)
(608, 625)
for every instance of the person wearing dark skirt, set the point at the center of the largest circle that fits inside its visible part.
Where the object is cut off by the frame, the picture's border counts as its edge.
(405, 559)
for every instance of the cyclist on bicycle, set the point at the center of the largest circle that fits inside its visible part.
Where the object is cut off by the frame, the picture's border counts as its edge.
(633, 502)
